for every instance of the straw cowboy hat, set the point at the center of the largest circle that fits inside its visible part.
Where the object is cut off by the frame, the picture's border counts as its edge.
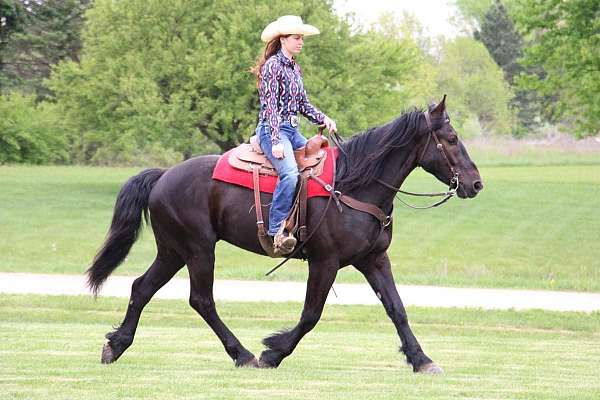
(287, 25)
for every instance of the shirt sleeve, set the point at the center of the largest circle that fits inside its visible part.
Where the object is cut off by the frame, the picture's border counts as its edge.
(309, 111)
(270, 96)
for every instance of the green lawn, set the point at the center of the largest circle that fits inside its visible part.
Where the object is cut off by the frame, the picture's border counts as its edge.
(533, 226)
(50, 349)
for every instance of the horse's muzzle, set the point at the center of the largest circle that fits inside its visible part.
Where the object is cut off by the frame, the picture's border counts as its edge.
(469, 190)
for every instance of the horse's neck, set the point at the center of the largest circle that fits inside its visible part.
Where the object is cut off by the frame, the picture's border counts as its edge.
(398, 166)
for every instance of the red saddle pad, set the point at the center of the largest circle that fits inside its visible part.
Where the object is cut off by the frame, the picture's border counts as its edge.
(226, 173)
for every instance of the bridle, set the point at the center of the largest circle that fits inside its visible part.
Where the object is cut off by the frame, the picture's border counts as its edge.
(454, 181)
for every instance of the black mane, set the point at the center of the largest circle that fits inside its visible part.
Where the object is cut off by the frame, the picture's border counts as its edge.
(362, 157)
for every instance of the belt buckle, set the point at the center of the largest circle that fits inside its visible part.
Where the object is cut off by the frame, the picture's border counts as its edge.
(294, 120)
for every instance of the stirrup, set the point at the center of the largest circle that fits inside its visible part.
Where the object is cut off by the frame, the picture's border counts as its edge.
(283, 243)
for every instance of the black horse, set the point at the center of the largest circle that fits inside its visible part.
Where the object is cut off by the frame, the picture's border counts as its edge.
(191, 212)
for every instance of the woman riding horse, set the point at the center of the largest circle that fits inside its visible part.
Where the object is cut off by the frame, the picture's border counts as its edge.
(282, 97)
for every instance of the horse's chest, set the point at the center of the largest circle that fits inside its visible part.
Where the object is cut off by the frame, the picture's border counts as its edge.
(363, 236)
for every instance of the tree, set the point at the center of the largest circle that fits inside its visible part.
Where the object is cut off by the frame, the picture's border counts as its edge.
(39, 35)
(176, 73)
(504, 43)
(11, 21)
(475, 86)
(407, 32)
(473, 12)
(500, 37)
(565, 44)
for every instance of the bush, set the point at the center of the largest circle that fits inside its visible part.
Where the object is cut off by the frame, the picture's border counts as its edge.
(30, 132)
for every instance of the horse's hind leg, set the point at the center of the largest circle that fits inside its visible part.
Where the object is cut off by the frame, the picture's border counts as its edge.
(378, 272)
(320, 278)
(160, 272)
(201, 268)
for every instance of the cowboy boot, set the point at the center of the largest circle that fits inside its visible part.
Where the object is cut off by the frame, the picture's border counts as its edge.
(283, 242)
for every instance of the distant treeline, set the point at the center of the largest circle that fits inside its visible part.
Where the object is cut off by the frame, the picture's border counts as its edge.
(149, 81)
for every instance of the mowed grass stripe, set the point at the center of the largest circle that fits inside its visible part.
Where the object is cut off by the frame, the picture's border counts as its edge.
(109, 310)
(351, 354)
(531, 227)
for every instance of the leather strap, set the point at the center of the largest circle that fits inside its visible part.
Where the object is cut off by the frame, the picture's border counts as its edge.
(441, 149)
(375, 211)
(302, 201)
(263, 237)
(257, 205)
(329, 188)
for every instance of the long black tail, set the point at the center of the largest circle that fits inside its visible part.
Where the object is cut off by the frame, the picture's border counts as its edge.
(126, 224)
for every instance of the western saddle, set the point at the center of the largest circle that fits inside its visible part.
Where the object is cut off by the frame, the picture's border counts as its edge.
(310, 160)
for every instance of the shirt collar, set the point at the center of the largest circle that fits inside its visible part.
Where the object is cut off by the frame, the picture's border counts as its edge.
(284, 59)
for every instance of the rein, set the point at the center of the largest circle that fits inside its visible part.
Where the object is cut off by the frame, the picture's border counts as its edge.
(451, 192)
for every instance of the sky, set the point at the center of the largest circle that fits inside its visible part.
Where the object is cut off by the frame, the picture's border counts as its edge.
(433, 14)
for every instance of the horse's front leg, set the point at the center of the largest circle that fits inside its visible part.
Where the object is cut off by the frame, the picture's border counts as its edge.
(377, 269)
(280, 345)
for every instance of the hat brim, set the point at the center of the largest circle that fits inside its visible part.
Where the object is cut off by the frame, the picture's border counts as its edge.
(274, 29)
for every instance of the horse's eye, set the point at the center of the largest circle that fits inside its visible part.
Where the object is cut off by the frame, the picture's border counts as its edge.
(452, 140)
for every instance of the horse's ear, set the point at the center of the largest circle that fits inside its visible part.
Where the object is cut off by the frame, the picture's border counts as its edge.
(440, 108)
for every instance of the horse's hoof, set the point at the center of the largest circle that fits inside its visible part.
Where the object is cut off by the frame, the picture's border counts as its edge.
(251, 363)
(269, 359)
(263, 364)
(431, 369)
(107, 354)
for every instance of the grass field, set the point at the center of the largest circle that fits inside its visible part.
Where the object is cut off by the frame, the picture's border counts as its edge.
(50, 348)
(535, 225)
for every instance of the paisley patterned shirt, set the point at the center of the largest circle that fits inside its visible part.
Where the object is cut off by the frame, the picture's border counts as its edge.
(282, 94)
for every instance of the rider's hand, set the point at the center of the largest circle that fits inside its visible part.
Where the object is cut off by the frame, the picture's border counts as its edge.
(277, 151)
(330, 124)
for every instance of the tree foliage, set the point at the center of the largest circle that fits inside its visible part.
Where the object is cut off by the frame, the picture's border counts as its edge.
(566, 44)
(38, 35)
(477, 91)
(159, 81)
(177, 73)
(473, 12)
(26, 139)
(11, 21)
(500, 37)
(504, 43)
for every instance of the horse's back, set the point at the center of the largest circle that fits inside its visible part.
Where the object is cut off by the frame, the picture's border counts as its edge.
(187, 172)
(183, 187)
(194, 167)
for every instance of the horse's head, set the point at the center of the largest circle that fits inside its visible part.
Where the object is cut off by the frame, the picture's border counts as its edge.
(444, 155)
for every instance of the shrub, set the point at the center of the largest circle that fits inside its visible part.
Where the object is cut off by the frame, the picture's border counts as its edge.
(31, 132)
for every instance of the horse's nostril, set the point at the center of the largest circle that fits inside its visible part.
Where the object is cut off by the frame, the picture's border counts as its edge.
(477, 185)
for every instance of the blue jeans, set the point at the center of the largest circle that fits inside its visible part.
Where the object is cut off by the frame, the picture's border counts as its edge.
(283, 197)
